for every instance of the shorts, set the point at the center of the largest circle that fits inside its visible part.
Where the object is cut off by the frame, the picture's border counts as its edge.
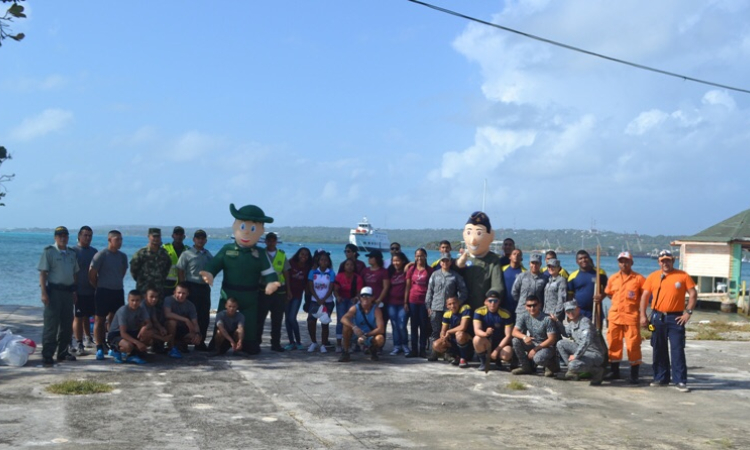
(114, 337)
(85, 306)
(330, 307)
(108, 301)
(181, 331)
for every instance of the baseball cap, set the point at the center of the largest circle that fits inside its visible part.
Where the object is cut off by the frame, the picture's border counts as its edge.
(200, 234)
(625, 255)
(367, 290)
(59, 231)
(154, 231)
(445, 256)
(665, 254)
(554, 262)
(571, 305)
(536, 258)
(492, 294)
(374, 253)
(178, 230)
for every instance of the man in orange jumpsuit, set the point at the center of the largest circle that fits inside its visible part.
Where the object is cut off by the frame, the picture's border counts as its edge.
(625, 288)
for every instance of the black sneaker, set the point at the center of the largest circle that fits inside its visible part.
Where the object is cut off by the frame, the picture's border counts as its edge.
(66, 357)
(277, 348)
(374, 356)
(344, 357)
(48, 362)
(201, 347)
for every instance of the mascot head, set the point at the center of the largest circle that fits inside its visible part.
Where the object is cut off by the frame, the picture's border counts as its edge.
(478, 234)
(248, 224)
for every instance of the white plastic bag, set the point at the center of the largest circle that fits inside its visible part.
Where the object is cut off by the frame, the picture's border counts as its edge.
(15, 350)
(322, 315)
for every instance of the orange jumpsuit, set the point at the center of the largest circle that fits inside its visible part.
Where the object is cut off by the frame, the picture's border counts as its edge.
(623, 320)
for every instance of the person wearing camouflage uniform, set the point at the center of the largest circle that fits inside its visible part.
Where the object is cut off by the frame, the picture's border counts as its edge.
(529, 283)
(534, 337)
(151, 264)
(555, 294)
(582, 351)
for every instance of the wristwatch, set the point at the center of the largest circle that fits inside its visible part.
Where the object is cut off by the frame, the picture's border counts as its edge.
(689, 311)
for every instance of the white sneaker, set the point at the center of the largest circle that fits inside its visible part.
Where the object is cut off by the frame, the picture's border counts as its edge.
(323, 349)
(312, 347)
(88, 342)
(396, 350)
(405, 348)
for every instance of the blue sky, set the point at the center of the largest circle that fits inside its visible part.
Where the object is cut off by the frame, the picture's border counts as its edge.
(323, 112)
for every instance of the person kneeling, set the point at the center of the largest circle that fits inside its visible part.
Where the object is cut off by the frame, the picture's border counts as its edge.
(454, 335)
(538, 346)
(230, 329)
(182, 319)
(583, 352)
(492, 332)
(130, 331)
(159, 333)
(366, 323)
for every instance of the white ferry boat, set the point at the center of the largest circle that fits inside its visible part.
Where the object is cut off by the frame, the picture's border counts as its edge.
(367, 238)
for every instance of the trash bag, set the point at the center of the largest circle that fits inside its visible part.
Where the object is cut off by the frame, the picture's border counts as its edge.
(14, 349)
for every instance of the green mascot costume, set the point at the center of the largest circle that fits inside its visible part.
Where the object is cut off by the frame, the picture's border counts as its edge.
(244, 265)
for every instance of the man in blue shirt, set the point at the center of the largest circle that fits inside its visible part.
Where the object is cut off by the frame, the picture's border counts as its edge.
(582, 284)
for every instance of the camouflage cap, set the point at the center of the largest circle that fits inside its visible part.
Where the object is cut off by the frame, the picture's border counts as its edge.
(571, 305)
(251, 213)
(480, 218)
(154, 231)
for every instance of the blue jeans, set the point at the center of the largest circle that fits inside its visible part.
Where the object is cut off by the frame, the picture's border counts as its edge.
(668, 333)
(398, 324)
(420, 322)
(292, 325)
(342, 306)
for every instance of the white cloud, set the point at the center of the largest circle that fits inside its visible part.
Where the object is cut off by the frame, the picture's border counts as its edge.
(50, 120)
(192, 145)
(646, 121)
(719, 98)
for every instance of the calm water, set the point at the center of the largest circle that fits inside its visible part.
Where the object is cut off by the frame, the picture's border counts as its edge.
(20, 253)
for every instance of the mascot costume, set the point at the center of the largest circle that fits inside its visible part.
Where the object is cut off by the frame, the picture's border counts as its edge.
(479, 266)
(244, 265)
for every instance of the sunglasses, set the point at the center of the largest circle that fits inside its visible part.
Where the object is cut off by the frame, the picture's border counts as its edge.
(534, 305)
(395, 249)
(493, 300)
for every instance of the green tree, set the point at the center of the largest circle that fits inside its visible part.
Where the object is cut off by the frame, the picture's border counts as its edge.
(14, 12)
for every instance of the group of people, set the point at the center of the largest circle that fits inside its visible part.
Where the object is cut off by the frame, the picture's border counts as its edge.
(479, 304)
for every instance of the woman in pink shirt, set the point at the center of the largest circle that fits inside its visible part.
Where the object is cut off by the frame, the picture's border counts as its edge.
(397, 312)
(345, 289)
(417, 278)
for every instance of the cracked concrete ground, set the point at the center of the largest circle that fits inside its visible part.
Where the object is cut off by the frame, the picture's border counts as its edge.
(308, 400)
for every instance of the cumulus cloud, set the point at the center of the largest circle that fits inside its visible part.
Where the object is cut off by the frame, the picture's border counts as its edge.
(49, 121)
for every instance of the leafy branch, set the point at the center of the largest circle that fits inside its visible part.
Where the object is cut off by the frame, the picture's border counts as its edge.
(4, 156)
(14, 12)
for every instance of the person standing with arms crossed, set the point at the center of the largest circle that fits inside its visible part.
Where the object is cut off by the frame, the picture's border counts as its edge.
(666, 288)
(108, 268)
(189, 265)
(85, 305)
(57, 277)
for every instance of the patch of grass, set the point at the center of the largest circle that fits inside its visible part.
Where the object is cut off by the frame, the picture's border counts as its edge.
(79, 387)
(722, 443)
(645, 334)
(515, 385)
(707, 334)
(726, 327)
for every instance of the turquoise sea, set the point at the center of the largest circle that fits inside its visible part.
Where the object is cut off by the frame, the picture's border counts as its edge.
(20, 253)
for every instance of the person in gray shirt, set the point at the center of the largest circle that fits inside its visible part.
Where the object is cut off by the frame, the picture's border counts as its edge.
(555, 294)
(182, 319)
(528, 283)
(582, 352)
(444, 284)
(534, 337)
(230, 329)
(130, 331)
(108, 268)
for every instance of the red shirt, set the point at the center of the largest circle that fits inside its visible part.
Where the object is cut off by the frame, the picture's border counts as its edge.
(374, 279)
(398, 289)
(419, 280)
(344, 284)
(298, 280)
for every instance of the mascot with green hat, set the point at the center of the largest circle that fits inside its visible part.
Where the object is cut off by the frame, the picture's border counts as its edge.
(244, 265)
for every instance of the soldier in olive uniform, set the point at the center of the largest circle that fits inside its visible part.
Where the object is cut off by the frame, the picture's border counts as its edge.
(583, 352)
(151, 264)
(244, 264)
(57, 277)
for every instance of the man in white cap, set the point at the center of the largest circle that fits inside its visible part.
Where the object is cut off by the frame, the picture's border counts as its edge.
(625, 288)
(666, 288)
(366, 323)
